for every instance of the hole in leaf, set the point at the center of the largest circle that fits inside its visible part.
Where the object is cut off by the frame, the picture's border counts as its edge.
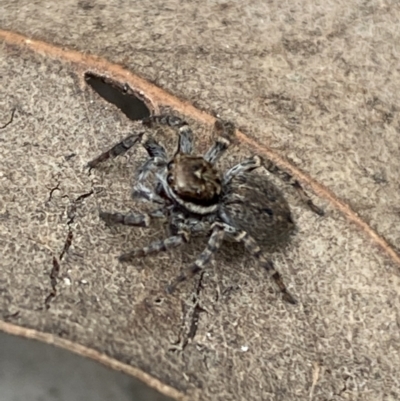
(121, 95)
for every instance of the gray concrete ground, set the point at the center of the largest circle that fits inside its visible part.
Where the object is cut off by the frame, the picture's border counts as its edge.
(30, 370)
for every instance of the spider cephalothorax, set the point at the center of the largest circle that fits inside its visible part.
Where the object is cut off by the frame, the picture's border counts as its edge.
(197, 199)
(194, 181)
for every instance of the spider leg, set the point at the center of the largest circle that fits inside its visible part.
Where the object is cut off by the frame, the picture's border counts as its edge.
(185, 132)
(140, 191)
(155, 150)
(251, 245)
(131, 219)
(119, 149)
(245, 166)
(180, 222)
(274, 169)
(156, 246)
(255, 162)
(213, 245)
(158, 159)
(225, 135)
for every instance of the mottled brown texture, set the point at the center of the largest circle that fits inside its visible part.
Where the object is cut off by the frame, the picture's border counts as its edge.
(318, 83)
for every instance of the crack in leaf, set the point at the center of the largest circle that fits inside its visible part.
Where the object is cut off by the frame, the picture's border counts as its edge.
(185, 338)
(67, 245)
(56, 188)
(53, 281)
(55, 271)
(74, 206)
(10, 120)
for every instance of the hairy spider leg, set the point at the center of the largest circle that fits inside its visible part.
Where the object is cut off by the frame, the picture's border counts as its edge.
(183, 222)
(284, 176)
(158, 158)
(132, 219)
(156, 246)
(214, 243)
(246, 165)
(252, 246)
(155, 150)
(117, 150)
(225, 134)
(255, 162)
(185, 132)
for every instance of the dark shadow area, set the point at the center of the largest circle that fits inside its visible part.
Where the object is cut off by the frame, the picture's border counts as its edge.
(121, 95)
(31, 370)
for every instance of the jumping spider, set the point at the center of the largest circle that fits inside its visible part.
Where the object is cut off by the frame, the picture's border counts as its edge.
(197, 199)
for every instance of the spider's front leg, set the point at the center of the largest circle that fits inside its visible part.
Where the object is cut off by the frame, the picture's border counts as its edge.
(214, 243)
(158, 159)
(225, 131)
(117, 150)
(185, 132)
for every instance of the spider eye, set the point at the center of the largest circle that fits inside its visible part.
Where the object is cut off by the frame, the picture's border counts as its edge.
(170, 179)
(169, 165)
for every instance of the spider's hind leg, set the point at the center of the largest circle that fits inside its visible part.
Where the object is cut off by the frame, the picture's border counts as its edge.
(254, 162)
(131, 219)
(214, 243)
(155, 247)
(246, 165)
(274, 169)
(251, 245)
(185, 132)
(117, 150)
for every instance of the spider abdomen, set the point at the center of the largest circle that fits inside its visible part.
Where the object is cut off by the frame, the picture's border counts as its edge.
(254, 204)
